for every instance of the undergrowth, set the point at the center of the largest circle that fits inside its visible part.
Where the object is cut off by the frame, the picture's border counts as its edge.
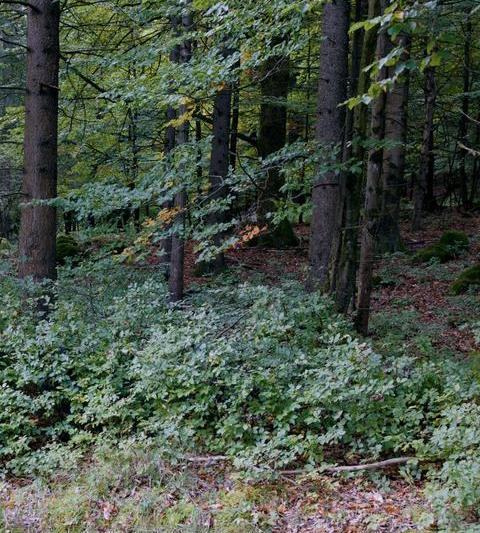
(269, 376)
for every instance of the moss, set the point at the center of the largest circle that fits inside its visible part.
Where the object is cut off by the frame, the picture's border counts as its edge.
(457, 240)
(451, 245)
(115, 243)
(280, 236)
(435, 251)
(468, 278)
(5, 246)
(67, 246)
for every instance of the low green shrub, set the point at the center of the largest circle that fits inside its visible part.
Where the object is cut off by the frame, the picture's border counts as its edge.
(450, 246)
(468, 278)
(454, 489)
(67, 247)
(456, 241)
(5, 246)
(268, 376)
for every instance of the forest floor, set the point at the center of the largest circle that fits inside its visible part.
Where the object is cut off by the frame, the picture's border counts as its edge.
(412, 310)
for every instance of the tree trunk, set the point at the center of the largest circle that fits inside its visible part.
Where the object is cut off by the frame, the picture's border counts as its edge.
(348, 260)
(165, 245)
(274, 87)
(463, 123)
(38, 223)
(235, 121)
(373, 200)
(219, 166)
(349, 180)
(177, 257)
(330, 130)
(394, 158)
(424, 194)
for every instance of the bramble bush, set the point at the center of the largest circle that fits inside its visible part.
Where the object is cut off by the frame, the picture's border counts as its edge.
(269, 376)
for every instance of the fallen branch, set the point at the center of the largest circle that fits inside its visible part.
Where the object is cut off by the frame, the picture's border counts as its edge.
(357, 468)
(207, 459)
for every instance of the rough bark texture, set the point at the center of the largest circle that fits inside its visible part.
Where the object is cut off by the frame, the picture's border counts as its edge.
(343, 278)
(219, 165)
(373, 200)
(165, 245)
(176, 279)
(463, 121)
(235, 121)
(394, 159)
(38, 223)
(423, 194)
(332, 91)
(274, 87)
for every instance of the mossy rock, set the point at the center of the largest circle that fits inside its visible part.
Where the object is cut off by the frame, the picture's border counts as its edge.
(435, 251)
(456, 241)
(113, 243)
(67, 246)
(468, 278)
(280, 236)
(450, 246)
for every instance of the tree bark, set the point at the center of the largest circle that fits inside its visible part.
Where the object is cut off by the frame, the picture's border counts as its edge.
(373, 199)
(219, 165)
(177, 257)
(330, 130)
(274, 88)
(394, 158)
(165, 245)
(343, 278)
(38, 222)
(463, 123)
(235, 120)
(423, 194)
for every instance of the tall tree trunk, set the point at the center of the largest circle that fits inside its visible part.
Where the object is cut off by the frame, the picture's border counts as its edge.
(475, 167)
(423, 194)
(330, 130)
(274, 87)
(394, 158)
(463, 123)
(219, 165)
(177, 257)
(348, 260)
(343, 277)
(165, 245)
(234, 125)
(373, 199)
(38, 223)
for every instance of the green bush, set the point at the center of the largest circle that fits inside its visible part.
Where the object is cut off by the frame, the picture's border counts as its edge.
(468, 278)
(269, 376)
(435, 252)
(454, 489)
(67, 246)
(456, 241)
(450, 246)
(5, 246)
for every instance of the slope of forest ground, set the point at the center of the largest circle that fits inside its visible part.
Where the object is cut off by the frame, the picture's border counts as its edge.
(141, 486)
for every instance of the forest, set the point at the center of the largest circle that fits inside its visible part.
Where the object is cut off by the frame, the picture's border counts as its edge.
(239, 266)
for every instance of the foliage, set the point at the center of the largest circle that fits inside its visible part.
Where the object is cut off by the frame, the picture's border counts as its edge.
(468, 278)
(67, 247)
(280, 382)
(451, 245)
